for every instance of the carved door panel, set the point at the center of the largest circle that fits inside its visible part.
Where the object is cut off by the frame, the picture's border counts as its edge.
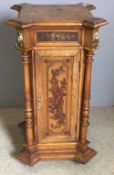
(57, 94)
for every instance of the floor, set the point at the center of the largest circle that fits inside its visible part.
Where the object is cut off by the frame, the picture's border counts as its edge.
(100, 133)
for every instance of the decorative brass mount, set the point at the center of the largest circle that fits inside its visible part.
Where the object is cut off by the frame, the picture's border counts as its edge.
(96, 40)
(19, 40)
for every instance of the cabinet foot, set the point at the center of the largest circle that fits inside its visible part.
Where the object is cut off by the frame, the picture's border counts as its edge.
(84, 157)
(27, 157)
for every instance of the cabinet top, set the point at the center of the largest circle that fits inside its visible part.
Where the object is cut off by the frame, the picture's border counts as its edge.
(61, 15)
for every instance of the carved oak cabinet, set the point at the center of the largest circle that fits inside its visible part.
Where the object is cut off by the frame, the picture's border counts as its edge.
(57, 43)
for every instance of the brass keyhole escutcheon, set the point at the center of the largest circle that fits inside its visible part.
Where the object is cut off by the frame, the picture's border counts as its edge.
(39, 102)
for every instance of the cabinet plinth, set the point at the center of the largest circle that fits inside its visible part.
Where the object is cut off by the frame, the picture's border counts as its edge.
(57, 44)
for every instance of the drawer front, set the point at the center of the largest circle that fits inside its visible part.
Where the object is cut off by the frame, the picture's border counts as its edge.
(57, 94)
(57, 36)
(60, 38)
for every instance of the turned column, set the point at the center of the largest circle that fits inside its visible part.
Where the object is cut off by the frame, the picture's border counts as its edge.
(86, 97)
(28, 100)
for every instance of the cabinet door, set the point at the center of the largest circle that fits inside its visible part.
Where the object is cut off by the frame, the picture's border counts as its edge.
(57, 92)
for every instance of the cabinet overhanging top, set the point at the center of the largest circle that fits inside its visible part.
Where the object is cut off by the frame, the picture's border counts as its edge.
(61, 15)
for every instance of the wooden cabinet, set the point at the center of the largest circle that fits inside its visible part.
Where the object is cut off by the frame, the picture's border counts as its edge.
(57, 43)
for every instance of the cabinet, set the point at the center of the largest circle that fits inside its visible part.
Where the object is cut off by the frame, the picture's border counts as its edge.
(57, 43)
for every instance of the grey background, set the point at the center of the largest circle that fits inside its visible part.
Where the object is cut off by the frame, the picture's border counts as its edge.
(11, 69)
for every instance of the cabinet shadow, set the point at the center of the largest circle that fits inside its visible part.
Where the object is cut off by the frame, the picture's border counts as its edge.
(12, 135)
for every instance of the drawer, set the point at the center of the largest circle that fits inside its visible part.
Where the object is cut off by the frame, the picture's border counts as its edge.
(58, 38)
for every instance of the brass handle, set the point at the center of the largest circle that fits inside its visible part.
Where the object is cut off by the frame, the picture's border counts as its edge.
(39, 102)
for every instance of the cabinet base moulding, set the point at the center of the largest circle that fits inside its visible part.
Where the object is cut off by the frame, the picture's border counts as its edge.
(28, 158)
(84, 157)
(78, 156)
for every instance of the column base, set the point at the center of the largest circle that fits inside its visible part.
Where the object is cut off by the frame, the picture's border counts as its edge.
(84, 156)
(27, 157)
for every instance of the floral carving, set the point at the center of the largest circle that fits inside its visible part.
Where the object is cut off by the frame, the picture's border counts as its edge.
(56, 101)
